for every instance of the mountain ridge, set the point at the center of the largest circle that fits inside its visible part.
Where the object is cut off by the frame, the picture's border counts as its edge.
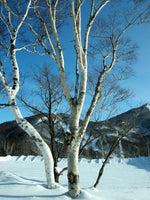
(14, 141)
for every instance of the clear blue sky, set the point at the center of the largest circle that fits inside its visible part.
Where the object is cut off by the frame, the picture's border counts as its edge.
(140, 83)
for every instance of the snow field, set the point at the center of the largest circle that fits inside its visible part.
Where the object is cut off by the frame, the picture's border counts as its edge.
(23, 178)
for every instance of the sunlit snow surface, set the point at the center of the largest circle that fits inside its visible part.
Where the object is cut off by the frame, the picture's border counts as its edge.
(123, 179)
(148, 106)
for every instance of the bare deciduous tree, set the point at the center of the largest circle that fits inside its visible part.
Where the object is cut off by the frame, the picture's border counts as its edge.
(137, 12)
(45, 99)
(110, 58)
(12, 27)
(125, 127)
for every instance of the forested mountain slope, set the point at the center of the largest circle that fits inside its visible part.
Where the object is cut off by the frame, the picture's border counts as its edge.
(134, 124)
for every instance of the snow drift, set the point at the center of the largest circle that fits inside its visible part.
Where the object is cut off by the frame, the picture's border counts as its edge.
(23, 178)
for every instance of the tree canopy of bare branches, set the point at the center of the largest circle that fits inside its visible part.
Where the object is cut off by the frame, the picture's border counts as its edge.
(114, 53)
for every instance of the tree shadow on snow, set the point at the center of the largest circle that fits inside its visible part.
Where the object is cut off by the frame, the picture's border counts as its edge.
(141, 163)
(14, 181)
(34, 196)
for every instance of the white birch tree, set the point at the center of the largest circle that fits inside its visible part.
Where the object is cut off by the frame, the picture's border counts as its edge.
(12, 30)
(48, 36)
(81, 39)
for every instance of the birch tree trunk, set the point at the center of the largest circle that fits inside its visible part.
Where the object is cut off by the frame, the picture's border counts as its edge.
(73, 151)
(12, 92)
(43, 147)
(73, 169)
(53, 48)
(25, 125)
(55, 51)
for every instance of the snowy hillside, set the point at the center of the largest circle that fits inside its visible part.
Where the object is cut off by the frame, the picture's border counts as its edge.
(99, 135)
(23, 178)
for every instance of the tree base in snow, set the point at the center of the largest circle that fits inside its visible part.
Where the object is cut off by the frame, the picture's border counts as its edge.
(53, 186)
(73, 181)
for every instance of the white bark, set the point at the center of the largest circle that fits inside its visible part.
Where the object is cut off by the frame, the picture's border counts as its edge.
(73, 170)
(27, 127)
(12, 92)
(43, 147)
(32, 132)
(73, 151)
(76, 102)
(55, 51)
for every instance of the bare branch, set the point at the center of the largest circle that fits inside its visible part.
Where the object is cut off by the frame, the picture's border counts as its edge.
(3, 105)
(118, 79)
(91, 20)
(124, 132)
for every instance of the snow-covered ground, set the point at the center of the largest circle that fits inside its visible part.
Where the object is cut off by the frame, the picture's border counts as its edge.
(23, 178)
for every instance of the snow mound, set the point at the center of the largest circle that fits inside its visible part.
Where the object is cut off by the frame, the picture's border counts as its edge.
(10, 178)
(6, 158)
(123, 179)
(85, 195)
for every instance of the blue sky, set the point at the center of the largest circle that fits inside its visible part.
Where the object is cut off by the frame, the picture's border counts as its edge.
(139, 83)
